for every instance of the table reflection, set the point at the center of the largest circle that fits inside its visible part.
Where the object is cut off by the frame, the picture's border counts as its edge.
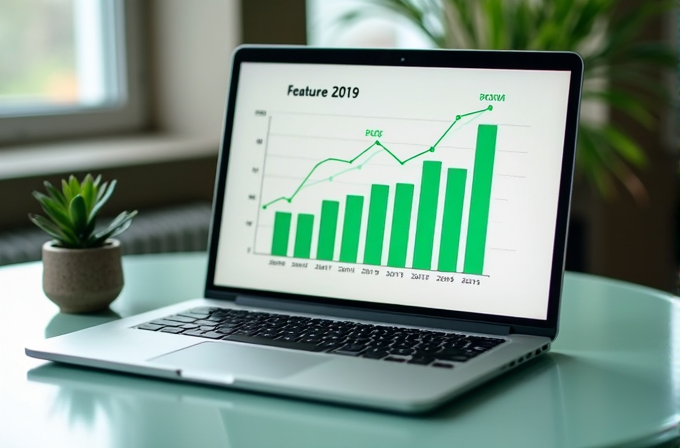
(145, 412)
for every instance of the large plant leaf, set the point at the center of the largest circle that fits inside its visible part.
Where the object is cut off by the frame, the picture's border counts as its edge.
(89, 194)
(74, 185)
(55, 211)
(55, 194)
(63, 236)
(78, 214)
(623, 101)
(106, 193)
(119, 224)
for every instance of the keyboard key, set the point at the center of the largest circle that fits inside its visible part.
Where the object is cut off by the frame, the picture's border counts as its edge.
(195, 332)
(401, 351)
(182, 319)
(204, 322)
(443, 365)
(312, 340)
(150, 327)
(166, 323)
(350, 350)
(195, 315)
(212, 335)
(393, 359)
(292, 337)
(375, 353)
(204, 309)
(454, 358)
(420, 360)
(267, 334)
(173, 330)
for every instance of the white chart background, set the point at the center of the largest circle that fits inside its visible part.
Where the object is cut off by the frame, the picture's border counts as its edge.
(413, 107)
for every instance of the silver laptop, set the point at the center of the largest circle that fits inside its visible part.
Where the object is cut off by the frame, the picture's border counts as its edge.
(388, 229)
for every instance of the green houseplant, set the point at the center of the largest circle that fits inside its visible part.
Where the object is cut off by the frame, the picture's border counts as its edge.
(82, 269)
(621, 66)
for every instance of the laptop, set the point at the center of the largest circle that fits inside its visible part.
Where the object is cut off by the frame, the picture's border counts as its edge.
(388, 229)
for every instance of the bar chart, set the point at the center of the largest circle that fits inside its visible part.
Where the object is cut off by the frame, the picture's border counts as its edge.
(432, 187)
(397, 224)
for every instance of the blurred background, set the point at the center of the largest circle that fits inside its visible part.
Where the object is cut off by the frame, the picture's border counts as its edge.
(135, 90)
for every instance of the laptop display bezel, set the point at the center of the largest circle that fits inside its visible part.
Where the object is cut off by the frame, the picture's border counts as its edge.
(514, 60)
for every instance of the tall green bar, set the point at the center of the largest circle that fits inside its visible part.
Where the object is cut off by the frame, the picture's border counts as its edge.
(281, 233)
(480, 199)
(427, 215)
(375, 229)
(451, 219)
(351, 229)
(328, 227)
(401, 223)
(303, 235)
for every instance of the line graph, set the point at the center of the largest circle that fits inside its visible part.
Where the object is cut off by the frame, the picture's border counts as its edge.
(382, 147)
(431, 216)
(415, 192)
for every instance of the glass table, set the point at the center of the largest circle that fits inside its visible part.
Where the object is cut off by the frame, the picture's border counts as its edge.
(612, 379)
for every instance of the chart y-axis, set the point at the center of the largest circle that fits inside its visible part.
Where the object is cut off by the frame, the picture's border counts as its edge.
(259, 202)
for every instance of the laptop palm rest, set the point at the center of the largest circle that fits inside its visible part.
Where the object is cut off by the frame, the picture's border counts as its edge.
(221, 362)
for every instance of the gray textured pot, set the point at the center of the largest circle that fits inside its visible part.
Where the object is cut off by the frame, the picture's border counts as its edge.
(82, 280)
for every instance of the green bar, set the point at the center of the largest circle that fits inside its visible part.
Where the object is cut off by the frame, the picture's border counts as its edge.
(303, 235)
(375, 229)
(451, 220)
(281, 233)
(401, 223)
(351, 229)
(327, 230)
(427, 215)
(480, 199)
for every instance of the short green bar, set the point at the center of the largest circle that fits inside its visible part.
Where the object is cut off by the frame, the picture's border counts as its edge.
(281, 233)
(327, 230)
(401, 224)
(375, 230)
(303, 235)
(480, 199)
(451, 220)
(351, 229)
(427, 215)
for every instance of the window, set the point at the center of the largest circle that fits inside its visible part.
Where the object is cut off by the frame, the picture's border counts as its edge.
(68, 68)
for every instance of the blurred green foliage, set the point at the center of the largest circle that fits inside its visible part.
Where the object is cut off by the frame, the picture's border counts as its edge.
(622, 67)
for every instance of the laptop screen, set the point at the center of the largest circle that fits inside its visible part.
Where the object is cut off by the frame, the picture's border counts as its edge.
(427, 187)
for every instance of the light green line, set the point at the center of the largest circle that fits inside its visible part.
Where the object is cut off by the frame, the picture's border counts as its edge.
(358, 167)
(376, 143)
(330, 178)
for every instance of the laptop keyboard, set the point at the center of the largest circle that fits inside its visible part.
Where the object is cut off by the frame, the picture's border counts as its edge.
(380, 342)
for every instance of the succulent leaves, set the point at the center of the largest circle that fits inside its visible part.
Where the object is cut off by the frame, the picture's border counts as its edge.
(71, 213)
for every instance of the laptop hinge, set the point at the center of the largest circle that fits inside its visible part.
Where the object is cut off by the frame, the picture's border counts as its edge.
(376, 316)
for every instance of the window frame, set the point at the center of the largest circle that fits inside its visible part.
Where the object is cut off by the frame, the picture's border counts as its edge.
(128, 115)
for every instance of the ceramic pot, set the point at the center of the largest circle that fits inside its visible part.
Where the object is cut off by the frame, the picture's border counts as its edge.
(82, 280)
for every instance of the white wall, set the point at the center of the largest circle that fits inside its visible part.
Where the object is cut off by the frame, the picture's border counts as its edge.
(191, 48)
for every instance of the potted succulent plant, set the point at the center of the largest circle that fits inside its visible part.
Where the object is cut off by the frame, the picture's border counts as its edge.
(82, 270)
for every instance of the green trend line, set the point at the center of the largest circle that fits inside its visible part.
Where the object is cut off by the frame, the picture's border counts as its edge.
(383, 148)
(362, 164)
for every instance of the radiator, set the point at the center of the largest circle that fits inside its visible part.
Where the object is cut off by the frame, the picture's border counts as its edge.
(172, 229)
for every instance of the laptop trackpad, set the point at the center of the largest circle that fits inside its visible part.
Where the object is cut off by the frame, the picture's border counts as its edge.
(223, 362)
